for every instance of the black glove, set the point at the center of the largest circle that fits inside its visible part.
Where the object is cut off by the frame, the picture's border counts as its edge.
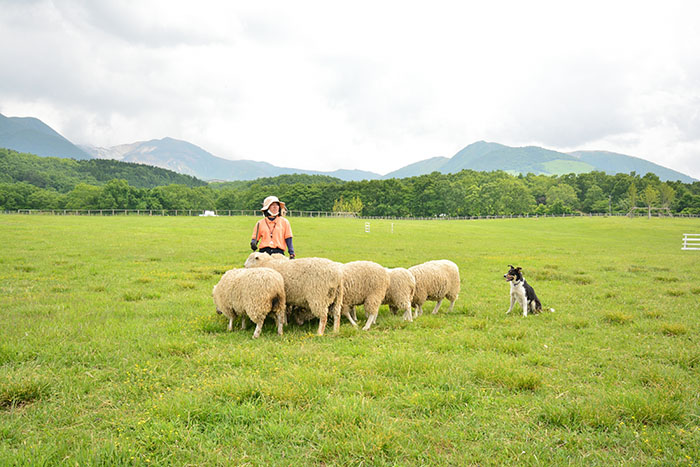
(254, 244)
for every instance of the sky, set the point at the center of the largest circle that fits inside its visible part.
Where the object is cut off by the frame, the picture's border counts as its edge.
(371, 85)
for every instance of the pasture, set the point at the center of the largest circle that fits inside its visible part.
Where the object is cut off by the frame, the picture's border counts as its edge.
(111, 351)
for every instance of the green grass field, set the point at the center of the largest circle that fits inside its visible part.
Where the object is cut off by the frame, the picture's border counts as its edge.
(111, 351)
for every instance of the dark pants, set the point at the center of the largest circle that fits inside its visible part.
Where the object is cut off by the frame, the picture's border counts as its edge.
(270, 250)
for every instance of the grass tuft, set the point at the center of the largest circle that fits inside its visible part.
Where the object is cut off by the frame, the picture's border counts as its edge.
(576, 416)
(674, 329)
(617, 317)
(136, 296)
(649, 408)
(666, 279)
(510, 378)
(15, 394)
(653, 314)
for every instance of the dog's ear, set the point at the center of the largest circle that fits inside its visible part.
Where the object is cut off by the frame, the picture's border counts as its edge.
(510, 266)
(519, 269)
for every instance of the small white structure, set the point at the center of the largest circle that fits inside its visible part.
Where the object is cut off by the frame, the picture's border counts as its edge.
(691, 241)
(366, 227)
(208, 214)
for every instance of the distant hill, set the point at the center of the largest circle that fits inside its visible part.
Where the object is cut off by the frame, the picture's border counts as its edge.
(63, 174)
(187, 158)
(612, 163)
(483, 156)
(419, 168)
(31, 135)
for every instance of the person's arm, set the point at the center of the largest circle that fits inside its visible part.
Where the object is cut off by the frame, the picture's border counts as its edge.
(290, 247)
(254, 240)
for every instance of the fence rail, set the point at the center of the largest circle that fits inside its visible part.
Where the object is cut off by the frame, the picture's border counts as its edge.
(170, 212)
(691, 241)
(257, 213)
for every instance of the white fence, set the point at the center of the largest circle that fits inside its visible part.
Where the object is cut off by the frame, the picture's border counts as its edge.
(691, 241)
(170, 212)
(257, 213)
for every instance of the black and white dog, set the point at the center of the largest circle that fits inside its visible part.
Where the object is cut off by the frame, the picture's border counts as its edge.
(522, 292)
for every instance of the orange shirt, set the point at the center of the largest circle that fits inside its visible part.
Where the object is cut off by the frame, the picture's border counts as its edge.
(272, 233)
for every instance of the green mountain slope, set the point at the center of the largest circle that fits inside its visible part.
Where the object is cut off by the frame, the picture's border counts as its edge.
(64, 174)
(419, 168)
(33, 136)
(612, 163)
(483, 156)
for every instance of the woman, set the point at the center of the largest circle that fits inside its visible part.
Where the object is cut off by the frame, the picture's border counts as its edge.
(273, 233)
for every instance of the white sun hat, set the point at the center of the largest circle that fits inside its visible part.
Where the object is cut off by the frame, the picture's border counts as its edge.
(273, 199)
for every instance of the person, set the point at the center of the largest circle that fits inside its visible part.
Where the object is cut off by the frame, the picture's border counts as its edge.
(273, 233)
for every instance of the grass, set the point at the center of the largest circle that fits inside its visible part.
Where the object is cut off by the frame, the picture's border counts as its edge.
(112, 353)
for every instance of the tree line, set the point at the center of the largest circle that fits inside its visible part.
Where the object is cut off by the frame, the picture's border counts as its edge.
(467, 193)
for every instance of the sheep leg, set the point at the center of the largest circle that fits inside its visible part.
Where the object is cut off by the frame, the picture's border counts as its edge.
(281, 318)
(322, 324)
(408, 315)
(370, 321)
(258, 329)
(230, 324)
(348, 315)
(437, 306)
(452, 305)
(354, 314)
(243, 323)
(419, 311)
(372, 311)
(336, 310)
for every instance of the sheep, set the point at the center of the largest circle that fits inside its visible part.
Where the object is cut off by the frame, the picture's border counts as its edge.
(315, 284)
(251, 293)
(399, 295)
(435, 280)
(364, 283)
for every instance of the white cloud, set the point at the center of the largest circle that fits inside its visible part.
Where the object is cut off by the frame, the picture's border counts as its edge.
(369, 85)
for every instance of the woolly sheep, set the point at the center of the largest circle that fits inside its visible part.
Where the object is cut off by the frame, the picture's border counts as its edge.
(251, 293)
(435, 280)
(402, 286)
(315, 284)
(364, 283)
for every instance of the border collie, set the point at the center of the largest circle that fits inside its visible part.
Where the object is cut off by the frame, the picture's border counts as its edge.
(522, 292)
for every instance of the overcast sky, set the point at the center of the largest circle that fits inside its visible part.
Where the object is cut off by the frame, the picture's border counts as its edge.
(372, 85)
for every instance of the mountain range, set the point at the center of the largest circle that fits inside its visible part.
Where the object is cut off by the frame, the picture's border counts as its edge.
(33, 136)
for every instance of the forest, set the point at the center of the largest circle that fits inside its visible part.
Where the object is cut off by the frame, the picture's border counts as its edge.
(27, 182)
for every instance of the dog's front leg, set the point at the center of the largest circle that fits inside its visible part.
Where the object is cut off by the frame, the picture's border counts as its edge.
(512, 302)
(525, 308)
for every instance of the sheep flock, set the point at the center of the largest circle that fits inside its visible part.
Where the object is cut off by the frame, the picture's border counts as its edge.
(318, 288)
